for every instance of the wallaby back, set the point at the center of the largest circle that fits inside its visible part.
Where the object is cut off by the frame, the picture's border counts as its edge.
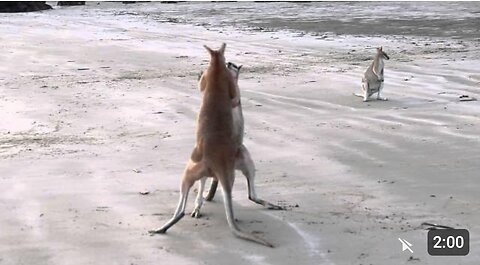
(215, 123)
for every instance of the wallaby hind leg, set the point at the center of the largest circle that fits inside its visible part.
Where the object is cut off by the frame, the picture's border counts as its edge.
(199, 199)
(211, 192)
(366, 91)
(380, 91)
(227, 199)
(245, 163)
(192, 172)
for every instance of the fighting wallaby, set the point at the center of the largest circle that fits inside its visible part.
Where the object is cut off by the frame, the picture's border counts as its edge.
(216, 148)
(244, 161)
(372, 81)
(239, 131)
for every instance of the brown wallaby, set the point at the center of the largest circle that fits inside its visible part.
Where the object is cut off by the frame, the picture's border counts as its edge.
(244, 161)
(216, 148)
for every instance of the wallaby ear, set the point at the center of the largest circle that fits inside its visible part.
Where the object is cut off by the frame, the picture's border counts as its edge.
(240, 67)
(381, 48)
(208, 49)
(222, 49)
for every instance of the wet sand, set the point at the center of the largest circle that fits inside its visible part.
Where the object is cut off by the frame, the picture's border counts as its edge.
(99, 105)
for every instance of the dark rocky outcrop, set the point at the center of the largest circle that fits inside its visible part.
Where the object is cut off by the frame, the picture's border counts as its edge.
(70, 3)
(22, 6)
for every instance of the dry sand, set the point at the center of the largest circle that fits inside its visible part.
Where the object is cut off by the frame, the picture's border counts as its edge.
(97, 107)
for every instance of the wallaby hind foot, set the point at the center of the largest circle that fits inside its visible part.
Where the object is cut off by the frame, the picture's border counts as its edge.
(227, 199)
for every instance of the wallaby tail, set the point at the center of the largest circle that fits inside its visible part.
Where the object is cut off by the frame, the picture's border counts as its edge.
(211, 192)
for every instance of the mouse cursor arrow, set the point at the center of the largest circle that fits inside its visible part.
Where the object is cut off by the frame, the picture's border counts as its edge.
(406, 245)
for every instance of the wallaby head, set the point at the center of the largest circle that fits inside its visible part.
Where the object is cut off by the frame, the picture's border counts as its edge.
(381, 53)
(234, 70)
(216, 66)
(216, 56)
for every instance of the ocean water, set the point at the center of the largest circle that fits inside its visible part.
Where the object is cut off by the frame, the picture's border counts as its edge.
(458, 20)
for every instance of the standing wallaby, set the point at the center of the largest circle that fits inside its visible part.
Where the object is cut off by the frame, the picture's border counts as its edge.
(216, 148)
(237, 116)
(243, 160)
(372, 81)
(238, 123)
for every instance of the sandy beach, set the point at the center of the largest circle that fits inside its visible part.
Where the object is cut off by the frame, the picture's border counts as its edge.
(97, 119)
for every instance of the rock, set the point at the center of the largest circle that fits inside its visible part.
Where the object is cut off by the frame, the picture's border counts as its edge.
(70, 3)
(23, 6)
(467, 98)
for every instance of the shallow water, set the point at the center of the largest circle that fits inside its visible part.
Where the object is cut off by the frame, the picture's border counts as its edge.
(434, 19)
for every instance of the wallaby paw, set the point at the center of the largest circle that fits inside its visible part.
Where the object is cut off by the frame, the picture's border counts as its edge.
(196, 213)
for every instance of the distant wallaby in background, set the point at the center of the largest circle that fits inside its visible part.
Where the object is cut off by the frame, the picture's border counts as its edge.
(216, 149)
(372, 81)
